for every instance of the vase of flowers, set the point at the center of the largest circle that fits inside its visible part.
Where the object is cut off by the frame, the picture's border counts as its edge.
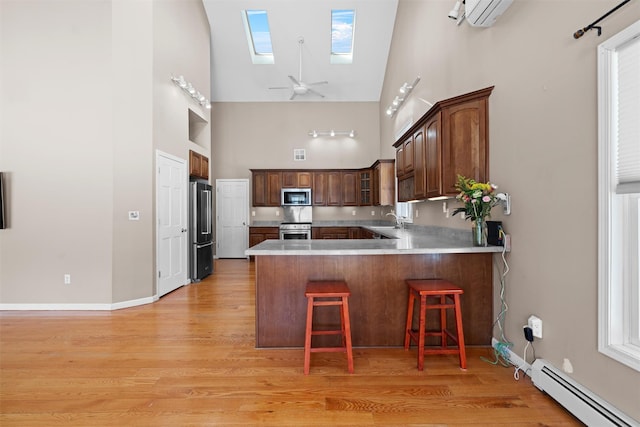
(478, 198)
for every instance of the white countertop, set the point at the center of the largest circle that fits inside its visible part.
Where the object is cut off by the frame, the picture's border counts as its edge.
(421, 240)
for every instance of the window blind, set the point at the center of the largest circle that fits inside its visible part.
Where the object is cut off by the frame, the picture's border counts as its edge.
(628, 94)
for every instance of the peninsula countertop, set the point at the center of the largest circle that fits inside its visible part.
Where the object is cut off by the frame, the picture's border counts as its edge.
(411, 240)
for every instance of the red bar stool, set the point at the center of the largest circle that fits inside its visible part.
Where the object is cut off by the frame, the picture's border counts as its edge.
(448, 297)
(317, 294)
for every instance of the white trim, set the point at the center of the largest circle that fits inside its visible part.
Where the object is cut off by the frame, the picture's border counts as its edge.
(614, 306)
(79, 306)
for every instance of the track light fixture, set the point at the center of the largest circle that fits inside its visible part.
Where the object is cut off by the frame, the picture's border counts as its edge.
(188, 88)
(403, 93)
(455, 12)
(332, 133)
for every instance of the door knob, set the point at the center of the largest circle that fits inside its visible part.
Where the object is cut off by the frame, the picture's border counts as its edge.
(184, 230)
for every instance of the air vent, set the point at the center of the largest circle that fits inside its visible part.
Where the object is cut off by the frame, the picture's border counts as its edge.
(299, 154)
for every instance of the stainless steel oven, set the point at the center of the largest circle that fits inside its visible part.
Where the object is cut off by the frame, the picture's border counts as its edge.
(295, 231)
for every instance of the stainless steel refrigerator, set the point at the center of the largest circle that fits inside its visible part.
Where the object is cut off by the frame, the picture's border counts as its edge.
(200, 235)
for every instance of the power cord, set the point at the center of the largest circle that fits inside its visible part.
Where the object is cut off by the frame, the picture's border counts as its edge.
(501, 350)
(528, 335)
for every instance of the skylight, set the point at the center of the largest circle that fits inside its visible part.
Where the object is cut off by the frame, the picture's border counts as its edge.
(342, 30)
(256, 24)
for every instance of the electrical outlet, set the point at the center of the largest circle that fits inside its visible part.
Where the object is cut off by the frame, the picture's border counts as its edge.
(67, 279)
(536, 326)
(353, 213)
(277, 212)
(373, 213)
(507, 204)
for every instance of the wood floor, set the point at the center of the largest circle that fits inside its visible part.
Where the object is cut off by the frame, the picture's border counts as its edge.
(189, 360)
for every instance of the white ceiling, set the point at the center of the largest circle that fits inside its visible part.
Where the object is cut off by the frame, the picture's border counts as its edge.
(236, 79)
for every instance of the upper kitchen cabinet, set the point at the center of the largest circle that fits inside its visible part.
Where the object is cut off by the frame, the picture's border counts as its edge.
(374, 185)
(451, 139)
(266, 187)
(198, 165)
(350, 188)
(334, 188)
(383, 183)
(465, 141)
(365, 187)
(296, 179)
(319, 188)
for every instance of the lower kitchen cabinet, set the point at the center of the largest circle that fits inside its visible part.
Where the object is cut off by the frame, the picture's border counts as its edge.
(260, 234)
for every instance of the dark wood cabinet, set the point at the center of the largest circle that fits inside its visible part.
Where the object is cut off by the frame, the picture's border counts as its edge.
(383, 183)
(433, 156)
(198, 165)
(419, 172)
(334, 188)
(464, 143)
(337, 232)
(350, 188)
(319, 189)
(260, 234)
(366, 187)
(266, 187)
(329, 187)
(296, 179)
(451, 139)
(400, 160)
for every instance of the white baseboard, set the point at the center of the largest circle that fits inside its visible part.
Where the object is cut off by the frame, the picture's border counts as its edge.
(79, 307)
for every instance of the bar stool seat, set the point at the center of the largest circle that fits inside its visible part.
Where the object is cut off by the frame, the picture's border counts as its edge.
(448, 297)
(328, 293)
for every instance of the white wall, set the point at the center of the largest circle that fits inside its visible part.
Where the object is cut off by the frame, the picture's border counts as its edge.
(86, 100)
(56, 148)
(543, 140)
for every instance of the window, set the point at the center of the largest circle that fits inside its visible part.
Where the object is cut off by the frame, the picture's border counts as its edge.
(256, 25)
(619, 197)
(342, 30)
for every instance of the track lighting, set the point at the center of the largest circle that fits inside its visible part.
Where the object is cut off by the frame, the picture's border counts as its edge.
(455, 12)
(403, 93)
(188, 88)
(332, 133)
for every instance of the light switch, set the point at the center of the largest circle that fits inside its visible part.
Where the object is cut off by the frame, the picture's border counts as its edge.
(134, 215)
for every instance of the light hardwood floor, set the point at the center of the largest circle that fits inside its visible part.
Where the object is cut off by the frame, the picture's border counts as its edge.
(189, 359)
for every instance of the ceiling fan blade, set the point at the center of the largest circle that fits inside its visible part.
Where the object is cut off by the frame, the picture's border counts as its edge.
(293, 95)
(280, 87)
(315, 92)
(293, 79)
(318, 83)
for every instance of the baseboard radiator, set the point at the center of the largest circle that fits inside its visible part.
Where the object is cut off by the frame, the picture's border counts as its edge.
(584, 405)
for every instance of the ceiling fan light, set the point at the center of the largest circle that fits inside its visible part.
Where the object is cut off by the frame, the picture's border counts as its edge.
(332, 133)
(352, 134)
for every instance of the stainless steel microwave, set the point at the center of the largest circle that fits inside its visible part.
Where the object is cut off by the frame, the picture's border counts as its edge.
(295, 197)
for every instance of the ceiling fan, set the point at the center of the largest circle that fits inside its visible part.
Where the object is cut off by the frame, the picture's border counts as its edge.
(300, 87)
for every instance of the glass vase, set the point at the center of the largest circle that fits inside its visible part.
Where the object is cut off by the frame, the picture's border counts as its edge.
(479, 232)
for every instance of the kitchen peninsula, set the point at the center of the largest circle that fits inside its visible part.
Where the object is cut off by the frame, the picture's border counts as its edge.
(375, 270)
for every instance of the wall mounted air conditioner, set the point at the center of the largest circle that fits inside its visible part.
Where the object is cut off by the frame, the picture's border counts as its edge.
(483, 13)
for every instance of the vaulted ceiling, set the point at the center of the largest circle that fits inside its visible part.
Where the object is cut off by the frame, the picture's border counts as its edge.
(236, 79)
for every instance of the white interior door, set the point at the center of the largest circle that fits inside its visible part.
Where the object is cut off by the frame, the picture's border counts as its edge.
(171, 211)
(232, 217)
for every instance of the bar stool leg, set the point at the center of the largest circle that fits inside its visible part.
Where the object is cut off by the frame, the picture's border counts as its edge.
(460, 333)
(443, 322)
(307, 336)
(346, 333)
(422, 327)
(409, 324)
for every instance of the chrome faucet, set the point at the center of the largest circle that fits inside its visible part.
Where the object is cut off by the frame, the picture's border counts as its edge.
(399, 220)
